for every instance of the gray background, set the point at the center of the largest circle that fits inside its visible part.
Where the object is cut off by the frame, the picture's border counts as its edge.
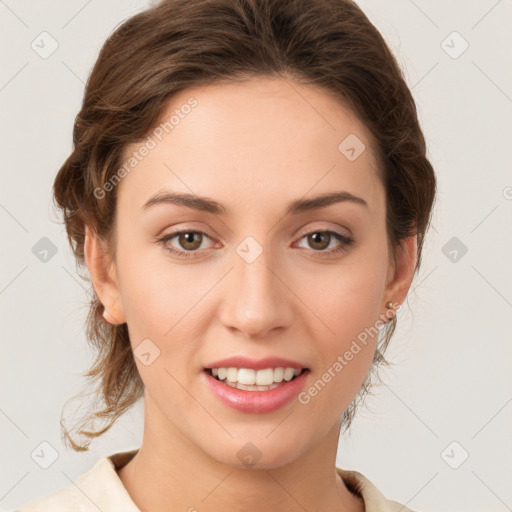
(451, 382)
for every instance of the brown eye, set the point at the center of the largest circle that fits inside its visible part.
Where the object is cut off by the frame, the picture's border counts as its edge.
(326, 243)
(190, 240)
(319, 240)
(185, 244)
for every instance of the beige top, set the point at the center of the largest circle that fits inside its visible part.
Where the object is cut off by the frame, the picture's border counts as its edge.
(100, 488)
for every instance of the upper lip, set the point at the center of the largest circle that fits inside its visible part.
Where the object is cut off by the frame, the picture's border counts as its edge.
(255, 364)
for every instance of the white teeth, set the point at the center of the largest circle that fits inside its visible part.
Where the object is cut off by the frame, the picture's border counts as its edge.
(264, 377)
(231, 375)
(247, 377)
(278, 374)
(288, 373)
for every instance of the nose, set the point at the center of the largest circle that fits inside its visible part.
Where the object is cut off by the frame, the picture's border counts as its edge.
(257, 300)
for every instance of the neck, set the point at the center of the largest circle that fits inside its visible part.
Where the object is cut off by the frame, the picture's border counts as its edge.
(169, 472)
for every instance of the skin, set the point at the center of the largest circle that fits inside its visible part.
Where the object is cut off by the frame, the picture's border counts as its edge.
(254, 147)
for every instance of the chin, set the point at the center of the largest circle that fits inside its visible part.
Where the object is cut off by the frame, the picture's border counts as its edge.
(256, 452)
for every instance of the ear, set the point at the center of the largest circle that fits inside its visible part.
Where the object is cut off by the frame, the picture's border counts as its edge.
(401, 271)
(104, 278)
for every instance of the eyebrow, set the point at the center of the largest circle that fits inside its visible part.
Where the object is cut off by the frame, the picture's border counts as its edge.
(206, 204)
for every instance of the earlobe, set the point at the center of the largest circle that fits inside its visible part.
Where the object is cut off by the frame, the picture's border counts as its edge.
(402, 272)
(103, 279)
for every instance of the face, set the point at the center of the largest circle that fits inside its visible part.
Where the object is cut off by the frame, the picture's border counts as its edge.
(259, 271)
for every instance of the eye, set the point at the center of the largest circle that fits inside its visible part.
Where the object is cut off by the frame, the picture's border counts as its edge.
(321, 240)
(189, 241)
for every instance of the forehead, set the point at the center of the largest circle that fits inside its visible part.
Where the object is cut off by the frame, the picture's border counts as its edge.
(263, 107)
(248, 139)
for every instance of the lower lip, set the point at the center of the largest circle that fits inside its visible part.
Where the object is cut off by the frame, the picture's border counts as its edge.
(257, 401)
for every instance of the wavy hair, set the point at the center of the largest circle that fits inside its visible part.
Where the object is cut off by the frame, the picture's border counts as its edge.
(178, 44)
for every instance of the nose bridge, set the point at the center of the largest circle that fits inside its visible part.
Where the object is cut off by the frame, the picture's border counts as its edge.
(257, 301)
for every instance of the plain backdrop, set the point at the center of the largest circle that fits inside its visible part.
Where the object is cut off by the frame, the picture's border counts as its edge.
(436, 434)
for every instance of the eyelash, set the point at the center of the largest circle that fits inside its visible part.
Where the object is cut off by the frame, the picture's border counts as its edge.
(346, 242)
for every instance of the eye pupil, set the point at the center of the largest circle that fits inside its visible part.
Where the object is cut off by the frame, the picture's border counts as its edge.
(319, 238)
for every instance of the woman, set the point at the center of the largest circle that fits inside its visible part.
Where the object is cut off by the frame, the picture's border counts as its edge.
(249, 192)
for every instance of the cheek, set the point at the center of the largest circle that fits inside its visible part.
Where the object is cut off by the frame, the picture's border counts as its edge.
(167, 304)
(345, 341)
(346, 301)
(156, 294)
(352, 304)
(161, 302)
(346, 297)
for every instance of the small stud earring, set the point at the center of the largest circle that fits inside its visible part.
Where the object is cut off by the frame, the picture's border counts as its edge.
(389, 305)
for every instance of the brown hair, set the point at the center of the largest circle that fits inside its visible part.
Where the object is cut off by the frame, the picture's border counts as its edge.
(178, 44)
